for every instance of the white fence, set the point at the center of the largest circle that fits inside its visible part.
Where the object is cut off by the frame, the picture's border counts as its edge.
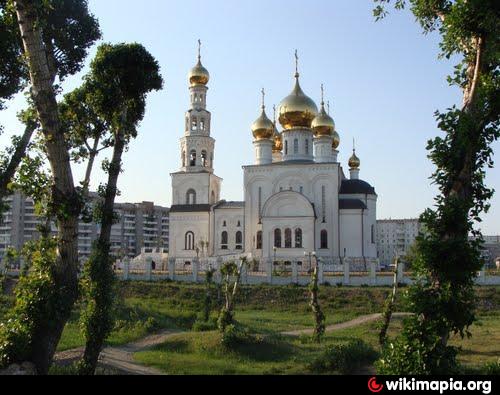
(276, 274)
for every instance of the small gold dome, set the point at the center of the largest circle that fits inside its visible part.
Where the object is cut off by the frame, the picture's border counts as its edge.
(297, 109)
(199, 75)
(336, 140)
(323, 124)
(263, 127)
(354, 162)
(277, 141)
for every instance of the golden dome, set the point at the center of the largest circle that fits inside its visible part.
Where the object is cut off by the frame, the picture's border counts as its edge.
(199, 75)
(336, 140)
(354, 162)
(263, 127)
(297, 109)
(277, 141)
(323, 124)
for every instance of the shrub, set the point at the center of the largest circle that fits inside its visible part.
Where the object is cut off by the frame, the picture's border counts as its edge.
(235, 335)
(344, 358)
(492, 368)
(204, 326)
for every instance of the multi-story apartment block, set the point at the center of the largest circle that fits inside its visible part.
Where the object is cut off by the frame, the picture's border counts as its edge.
(395, 237)
(139, 225)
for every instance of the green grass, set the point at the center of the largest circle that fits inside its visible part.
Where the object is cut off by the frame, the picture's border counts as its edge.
(192, 353)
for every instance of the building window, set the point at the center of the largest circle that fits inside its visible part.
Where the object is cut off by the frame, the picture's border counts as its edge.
(189, 241)
(239, 240)
(286, 147)
(194, 124)
(324, 240)
(307, 147)
(259, 240)
(373, 234)
(288, 238)
(298, 238)
(192, 158)
(296, 146)
(239, 224)
(191, 197)
(224, 224)
(223, 241)
(204, 162)
(277, 238)
(202, 124)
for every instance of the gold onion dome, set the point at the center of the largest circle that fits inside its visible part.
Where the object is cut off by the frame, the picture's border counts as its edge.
(354, 162)
(336, 140)
(323, 124)
(277, 142)
(199, 75)
(263, 127)
(277, 138)
(297, 109)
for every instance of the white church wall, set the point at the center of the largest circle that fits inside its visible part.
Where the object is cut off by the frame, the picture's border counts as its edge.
(180, 225)
(233, 219)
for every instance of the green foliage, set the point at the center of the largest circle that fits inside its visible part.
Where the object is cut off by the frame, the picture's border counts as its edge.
(209, 275)
(37, 298)
(344, 358)
(68, 30)
(443, 299)
(202, 325)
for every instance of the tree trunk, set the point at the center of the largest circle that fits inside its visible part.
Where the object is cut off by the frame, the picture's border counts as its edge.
(19, 153)
(64, 197)
(90, 166)
(387, 314)
(101, 271)
(319, 318)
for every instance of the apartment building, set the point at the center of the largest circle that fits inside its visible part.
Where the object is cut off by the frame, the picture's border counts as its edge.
(395, 237)
(139, 225)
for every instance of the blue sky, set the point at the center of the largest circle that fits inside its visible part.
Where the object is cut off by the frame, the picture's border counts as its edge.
(384, 81)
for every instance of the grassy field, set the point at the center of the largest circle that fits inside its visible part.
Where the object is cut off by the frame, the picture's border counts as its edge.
(191, 353)
(145, 308)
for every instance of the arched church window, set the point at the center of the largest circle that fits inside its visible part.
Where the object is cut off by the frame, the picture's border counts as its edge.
(298, 238)
(286, 147)
(259, 240)
(223, 241)
(202, 124)
(194, 124)
(277, 238)
(288, 238)
(211, 159)
(204, 162)
(296, 146)
(373, 234)
(307, 147)
(189, 241)
(239, 240)
(324, 240)
(239, 224)
(192, 158)
(191, 196)
(224, 224)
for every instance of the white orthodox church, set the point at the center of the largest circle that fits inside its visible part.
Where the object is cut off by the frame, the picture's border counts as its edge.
(298, 200)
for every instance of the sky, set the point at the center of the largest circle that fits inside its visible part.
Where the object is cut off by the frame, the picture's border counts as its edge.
(384, 81)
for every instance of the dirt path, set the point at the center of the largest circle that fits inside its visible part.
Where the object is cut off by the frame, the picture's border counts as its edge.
(344, 325)
(121, 358)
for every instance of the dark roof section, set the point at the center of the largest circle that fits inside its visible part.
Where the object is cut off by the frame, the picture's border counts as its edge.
(190, 208)
(351, 204)
(224, 204)
(351, 187)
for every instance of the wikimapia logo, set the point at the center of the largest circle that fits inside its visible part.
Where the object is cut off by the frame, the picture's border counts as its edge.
(405, 384)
